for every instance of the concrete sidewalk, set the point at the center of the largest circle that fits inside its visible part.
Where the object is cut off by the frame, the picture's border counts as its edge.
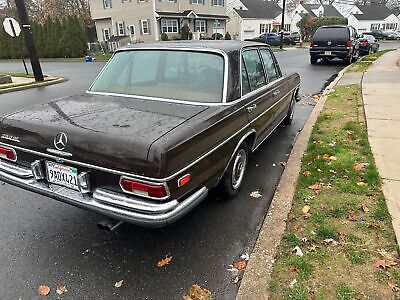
(380, 88)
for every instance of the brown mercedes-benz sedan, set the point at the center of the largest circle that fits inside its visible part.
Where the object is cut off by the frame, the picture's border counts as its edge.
(161, 125)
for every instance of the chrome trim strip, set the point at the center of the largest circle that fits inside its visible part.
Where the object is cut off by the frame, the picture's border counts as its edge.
(209, 50)
(58, 152)
(147, 182)
(145, 214)
(15, 170)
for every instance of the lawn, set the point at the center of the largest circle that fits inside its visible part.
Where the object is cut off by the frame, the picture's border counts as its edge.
(363, 64)
(339, 242)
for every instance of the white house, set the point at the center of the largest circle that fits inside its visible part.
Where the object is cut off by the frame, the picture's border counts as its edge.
(374, 17)
(250, 18)
(315, 10)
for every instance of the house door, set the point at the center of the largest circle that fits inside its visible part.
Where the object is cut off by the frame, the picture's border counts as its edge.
(132, 33)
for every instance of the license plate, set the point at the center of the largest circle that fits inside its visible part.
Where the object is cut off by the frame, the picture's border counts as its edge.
(328, 52)
(62, 175)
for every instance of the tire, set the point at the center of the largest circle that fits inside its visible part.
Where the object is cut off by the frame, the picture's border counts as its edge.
(289, 117)
(232, 180)
(313, 60)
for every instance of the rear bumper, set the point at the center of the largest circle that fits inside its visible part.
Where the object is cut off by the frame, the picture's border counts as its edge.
(115, 205)
(334, 53)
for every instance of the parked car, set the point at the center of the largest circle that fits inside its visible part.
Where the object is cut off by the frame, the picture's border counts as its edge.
(336, 41)
(161, 126)
(273, 39)
(392, 35)
(368, 44)
(294, 37)
(378, 34)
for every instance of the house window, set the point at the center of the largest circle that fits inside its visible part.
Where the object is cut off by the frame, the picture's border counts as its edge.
(263, 28)
(131, 29)
(120, 28)
(145, 26)
(286, 27)
(390, 26)
(196, 1)
(123, 1)
(375, 26)
(217, 2)
(200, 26)
(107, 3)
(169, 25)
(106, 34)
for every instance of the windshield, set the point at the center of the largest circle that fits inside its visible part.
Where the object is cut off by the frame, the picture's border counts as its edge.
(169, 74)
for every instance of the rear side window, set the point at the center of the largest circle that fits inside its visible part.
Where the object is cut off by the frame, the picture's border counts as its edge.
(254, 68)
(331, 33)
(269, 64)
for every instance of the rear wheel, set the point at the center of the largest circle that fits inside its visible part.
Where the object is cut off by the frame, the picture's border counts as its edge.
(313, 60)
(233, 178)
(289, 117)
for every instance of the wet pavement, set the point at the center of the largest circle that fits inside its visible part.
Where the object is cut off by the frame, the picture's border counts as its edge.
(47, 242)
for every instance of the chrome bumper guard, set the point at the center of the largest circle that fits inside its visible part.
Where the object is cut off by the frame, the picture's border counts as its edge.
(114, 205)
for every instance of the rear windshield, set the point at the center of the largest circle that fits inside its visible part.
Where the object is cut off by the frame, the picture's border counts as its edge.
(168, 74)
(331, 33)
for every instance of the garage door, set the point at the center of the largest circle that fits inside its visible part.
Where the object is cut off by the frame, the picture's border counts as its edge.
(249, 34)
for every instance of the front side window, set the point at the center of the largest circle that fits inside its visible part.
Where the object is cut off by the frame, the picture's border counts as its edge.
(254, 68)
(145, 26)
(168, 74)
(269, 65)
(169, 25)
(200, 26)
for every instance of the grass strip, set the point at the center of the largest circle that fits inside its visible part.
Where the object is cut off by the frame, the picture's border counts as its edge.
(339, 218)
(364, 63)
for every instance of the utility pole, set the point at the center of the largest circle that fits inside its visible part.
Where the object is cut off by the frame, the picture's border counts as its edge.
(30, 45)
(282, 24)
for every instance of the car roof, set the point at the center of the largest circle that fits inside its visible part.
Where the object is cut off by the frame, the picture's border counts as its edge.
(225, 46)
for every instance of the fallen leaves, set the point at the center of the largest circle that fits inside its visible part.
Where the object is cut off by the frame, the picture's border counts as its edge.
(118, 284)
(165, 261)
(197, 292)
(354, 217)
(306, 209)
(361, 183)
(383, 264)
(61, 289)
(307, 173)
(315, 187)
(240, 265)
(298, 251)
(256, 194)
(394, 287)
(385, 254)
(365, 208)
(43, 290)
(360, 167)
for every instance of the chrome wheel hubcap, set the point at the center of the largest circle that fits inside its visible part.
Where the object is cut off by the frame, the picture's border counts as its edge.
(239, 166)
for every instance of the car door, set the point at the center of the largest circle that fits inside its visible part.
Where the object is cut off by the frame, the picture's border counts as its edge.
(256, 93)
(281, 97)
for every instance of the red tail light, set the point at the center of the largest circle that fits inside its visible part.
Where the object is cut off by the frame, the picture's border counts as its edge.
(348, 44)
(364, 43)
(8, 153)
(312, 43)
(157, 191)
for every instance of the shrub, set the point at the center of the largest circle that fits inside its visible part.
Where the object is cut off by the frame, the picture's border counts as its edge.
(164, 36)
(227, 36)
(216, 36)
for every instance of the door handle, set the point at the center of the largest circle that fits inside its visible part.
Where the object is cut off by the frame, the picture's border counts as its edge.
(251, 108)
(276, 93)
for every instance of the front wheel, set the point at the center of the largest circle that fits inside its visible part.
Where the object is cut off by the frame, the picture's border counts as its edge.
(233, 178)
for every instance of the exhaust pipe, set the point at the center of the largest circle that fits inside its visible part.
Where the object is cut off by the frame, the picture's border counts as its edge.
(109, 225)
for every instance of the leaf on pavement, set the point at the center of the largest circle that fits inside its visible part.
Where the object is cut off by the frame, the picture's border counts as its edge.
(240, 265)
(43, 290)
(315, 187)
(164, 261)
(394, 287)
(384, 264)
(256, 194)
(61, 289)
(197, 292)
(118, 284)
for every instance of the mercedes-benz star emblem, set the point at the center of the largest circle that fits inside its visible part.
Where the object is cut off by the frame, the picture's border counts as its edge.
(60, 141)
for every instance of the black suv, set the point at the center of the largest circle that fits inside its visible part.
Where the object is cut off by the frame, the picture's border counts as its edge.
(337, 41)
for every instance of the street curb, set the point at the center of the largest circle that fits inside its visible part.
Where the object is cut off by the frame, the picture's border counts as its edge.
(256, 280)
(31, 86)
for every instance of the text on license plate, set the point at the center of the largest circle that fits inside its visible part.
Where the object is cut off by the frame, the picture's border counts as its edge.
(62, 175)
(328, 52)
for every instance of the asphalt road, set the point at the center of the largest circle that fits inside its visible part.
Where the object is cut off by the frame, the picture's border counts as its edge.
(47, 242)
